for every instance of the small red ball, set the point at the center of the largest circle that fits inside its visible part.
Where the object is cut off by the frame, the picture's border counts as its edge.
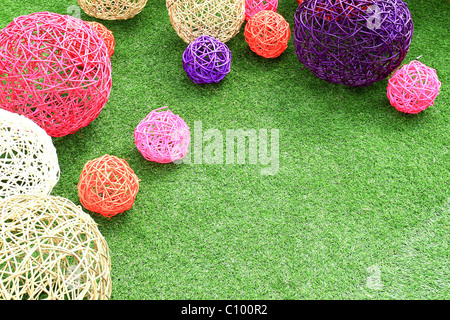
(267, 33)
(105, 34)
(107, 186)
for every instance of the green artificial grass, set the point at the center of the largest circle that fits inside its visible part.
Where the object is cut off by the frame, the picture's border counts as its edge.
(362, 190)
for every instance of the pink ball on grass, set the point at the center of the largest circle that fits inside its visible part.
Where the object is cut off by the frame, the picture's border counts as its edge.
(413, 88)
(252, 7)
(55, 70)
(162, 136)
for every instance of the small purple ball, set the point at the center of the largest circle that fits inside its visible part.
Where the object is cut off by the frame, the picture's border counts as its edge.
(206, 60)
(352, 42)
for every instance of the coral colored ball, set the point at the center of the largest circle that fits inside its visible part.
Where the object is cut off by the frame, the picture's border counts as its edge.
(55, 70)
(162, 136)
(413, 88)
(267, 33)
(105, 34)
(254, 6)
(107, 186)
(206, 60)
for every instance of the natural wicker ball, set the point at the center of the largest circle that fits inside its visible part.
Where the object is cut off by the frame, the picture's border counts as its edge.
(162, 136)
(206, 60)
(220, 19)
(267, 33)
(28, 159)
(254, 6)
(51, 249)
(352, 42)
(413, 88)
(112, 9)
(55, 70)
(105, 34)
(107, 186)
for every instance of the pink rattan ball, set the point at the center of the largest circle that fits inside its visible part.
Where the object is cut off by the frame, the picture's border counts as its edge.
(54, 69)
(254, 6)
(413, 88)
(162, 136)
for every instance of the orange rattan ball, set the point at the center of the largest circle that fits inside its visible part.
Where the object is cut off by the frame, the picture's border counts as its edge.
(105, 34)
(267, 33)
(107, 186)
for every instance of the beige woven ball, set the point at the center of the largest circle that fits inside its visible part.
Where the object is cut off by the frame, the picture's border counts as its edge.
(28, 159)
(112, 9)
(50, 249)
(220, 19)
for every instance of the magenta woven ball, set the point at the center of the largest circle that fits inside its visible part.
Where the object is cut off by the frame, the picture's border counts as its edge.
(413, 88)
(162, 136)
(252, 7)
(352, 42)
(54, 69)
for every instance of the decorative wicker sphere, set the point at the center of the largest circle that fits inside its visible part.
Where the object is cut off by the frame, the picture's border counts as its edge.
(413, 88)
(112, 9)
(51, 249)
(108, 186)
(352, 42)
(28, 159)
(267, 33)
(254, 6)
(55, 70)
(162, 136)
(220, 19)
(206, 60)
(105, 34)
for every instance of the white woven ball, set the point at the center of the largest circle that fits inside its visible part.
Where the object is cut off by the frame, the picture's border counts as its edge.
(28, 159)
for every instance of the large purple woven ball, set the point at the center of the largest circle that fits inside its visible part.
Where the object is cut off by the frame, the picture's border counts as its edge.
(206, 60)
(352, 42)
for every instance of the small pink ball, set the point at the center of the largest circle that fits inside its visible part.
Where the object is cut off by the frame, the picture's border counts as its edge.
(252, 7)
(162, 136)
(413, 88)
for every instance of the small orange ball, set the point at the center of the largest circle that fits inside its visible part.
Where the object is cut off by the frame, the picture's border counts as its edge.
(107, 186)
(105, 34)
(267, 33)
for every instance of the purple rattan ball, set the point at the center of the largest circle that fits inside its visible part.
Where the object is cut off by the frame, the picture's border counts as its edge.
(206, 60)
(352, 42)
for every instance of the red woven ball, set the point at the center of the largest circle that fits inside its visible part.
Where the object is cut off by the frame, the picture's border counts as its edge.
(55, 70)
(267, 33)
(162, 136)
(254, 6)
(105, 34)
(299, 2)
(413, 88)
(107, 186)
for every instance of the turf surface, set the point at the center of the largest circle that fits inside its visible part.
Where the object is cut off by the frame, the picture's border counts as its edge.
(359, 208)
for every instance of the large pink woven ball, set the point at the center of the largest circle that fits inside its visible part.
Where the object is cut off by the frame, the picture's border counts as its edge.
(162, 136)
(413, 88)
(252, 7)
(54, 69)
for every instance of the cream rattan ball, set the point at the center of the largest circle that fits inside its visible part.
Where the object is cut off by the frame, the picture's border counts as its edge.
(220, 19)
(112, 9)
(28, 159)
(50, 249)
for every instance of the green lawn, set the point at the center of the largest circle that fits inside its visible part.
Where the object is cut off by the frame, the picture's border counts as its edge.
(362, 190)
